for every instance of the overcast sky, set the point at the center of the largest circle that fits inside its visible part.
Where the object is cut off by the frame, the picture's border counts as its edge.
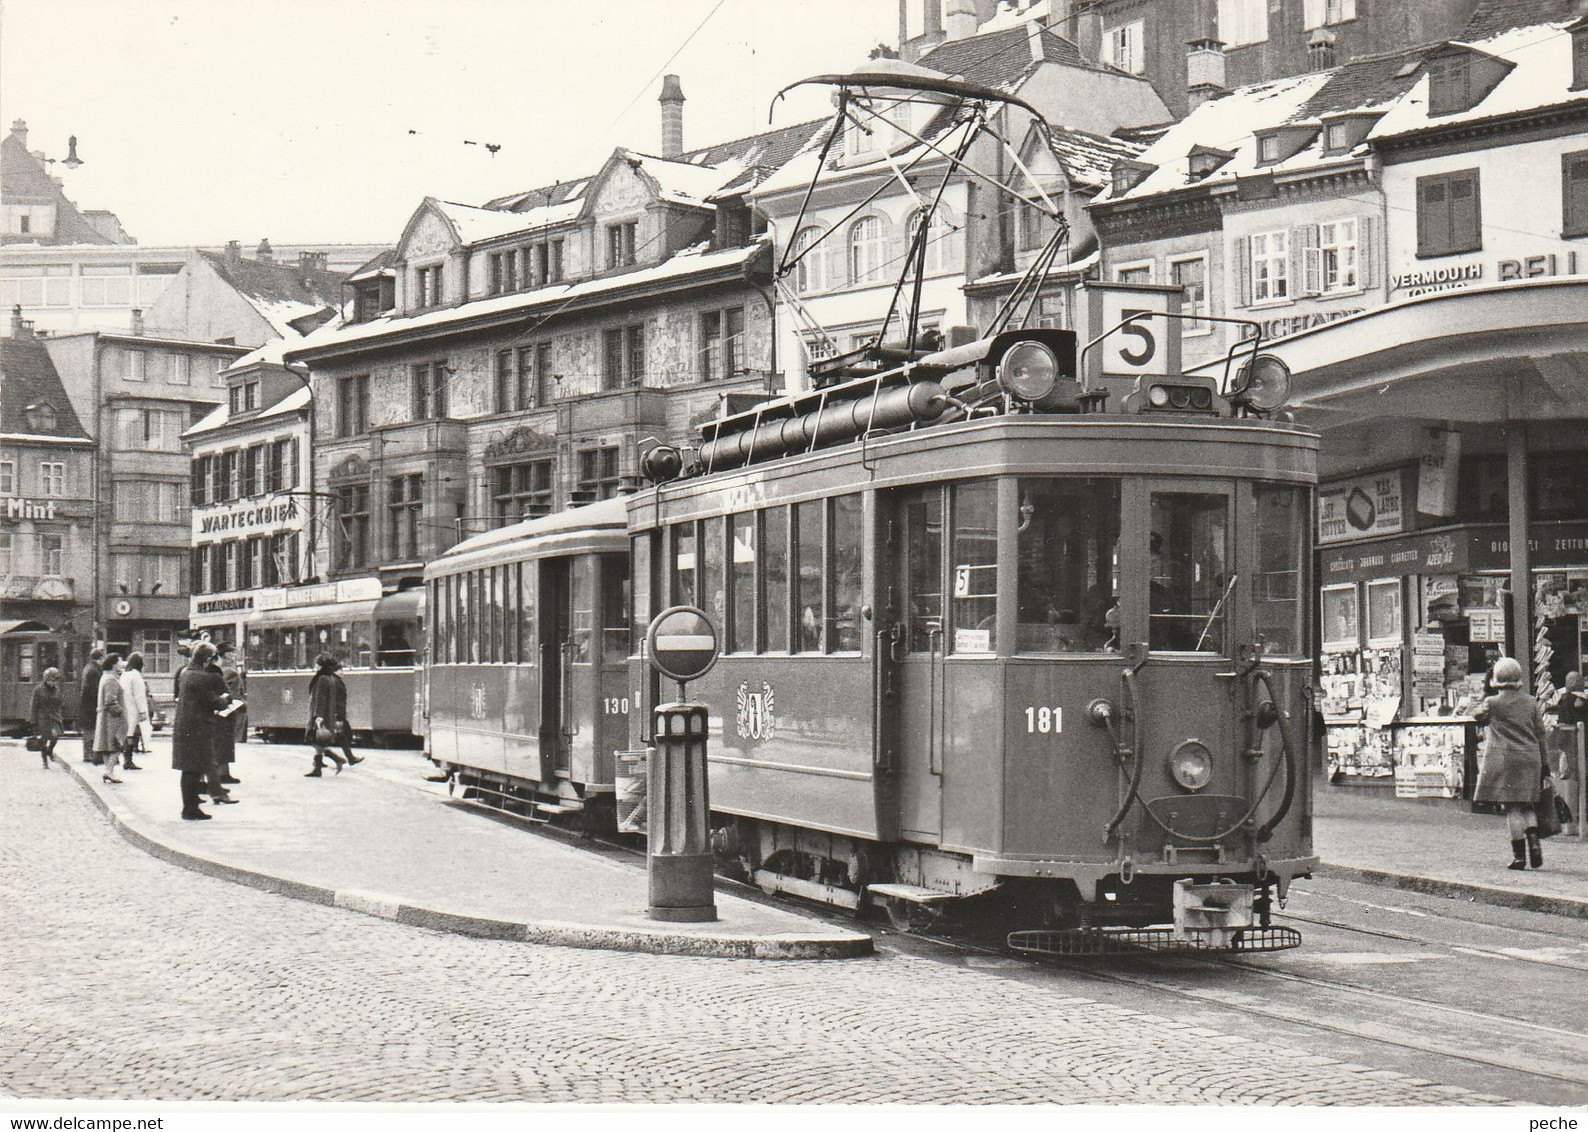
(322, 121)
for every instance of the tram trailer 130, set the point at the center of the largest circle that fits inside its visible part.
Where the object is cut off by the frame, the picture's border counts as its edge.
(991, 641)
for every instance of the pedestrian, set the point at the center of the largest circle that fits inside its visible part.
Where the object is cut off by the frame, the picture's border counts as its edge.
(328, 724)
(88, 702)
(110, 724)
(240, 691)
(1515, 760)
(201, 692)
(1569, 709)
(226, 731)
(45, 713)
(135, 699)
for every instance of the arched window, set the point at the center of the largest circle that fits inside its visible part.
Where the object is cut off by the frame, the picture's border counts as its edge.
(808, 274)
(867, 245)
(938, 236)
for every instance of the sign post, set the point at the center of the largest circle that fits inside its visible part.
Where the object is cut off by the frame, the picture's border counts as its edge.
(682, 645)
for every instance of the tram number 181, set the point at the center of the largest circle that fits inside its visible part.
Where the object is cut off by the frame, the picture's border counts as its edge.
(1044, 720)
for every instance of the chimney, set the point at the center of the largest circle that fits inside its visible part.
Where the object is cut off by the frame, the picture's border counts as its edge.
(137, 321)
(1204, 71)
(20, 327)
(234, 255)
(263, 252)
(311, 261)
(672, 100)
(19, 130)
(959, 19)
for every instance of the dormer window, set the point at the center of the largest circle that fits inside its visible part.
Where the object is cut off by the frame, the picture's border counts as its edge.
(1127, 174)
(1268, 149)
(1345, 133)
(373, 298)
(427, 281)
(1459, 78)
(1284, 142)
(41, 417)
(1337, 137)
(620, 243)
(1204, 160)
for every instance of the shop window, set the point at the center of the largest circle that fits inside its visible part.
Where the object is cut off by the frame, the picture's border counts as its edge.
(1341, 628)
(1557, 488)
(1282, 525)
(1384, 612)
(1190, 580)
(810, 566)
(775, 579)
(973, 559)
(1482, 491)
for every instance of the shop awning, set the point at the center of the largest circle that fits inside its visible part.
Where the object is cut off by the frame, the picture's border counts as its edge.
(23, 627)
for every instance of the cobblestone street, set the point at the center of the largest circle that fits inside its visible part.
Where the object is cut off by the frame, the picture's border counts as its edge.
(129, 978)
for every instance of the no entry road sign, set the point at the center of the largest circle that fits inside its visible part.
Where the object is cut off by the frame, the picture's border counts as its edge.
(681, 643)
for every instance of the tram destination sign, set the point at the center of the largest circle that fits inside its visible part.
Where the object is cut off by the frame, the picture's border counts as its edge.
(681, 643)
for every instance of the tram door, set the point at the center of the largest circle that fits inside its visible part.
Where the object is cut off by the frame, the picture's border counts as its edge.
(556, 624)
(911, 726)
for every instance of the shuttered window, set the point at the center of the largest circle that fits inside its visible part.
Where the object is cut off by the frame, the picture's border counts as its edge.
(1448, 214)
(1574, 194)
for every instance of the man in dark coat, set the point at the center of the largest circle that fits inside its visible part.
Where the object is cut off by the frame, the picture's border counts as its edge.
(88, 702)
(201, 691)
(226, 729)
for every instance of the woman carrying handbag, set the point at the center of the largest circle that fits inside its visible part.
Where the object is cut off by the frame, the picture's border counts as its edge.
(328, 725)
(45, 715)
(110, 726)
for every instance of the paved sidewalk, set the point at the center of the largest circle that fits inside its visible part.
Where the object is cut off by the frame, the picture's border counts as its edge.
(379, 839)
(1441, 847)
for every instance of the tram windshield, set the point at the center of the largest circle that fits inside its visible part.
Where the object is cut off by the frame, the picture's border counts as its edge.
(1069, 565)
(1191, 582)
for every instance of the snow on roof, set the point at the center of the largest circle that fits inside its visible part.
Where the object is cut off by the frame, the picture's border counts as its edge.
(798, 172)
(682, 182)
(1074, 267)
(1222, 123)
(1542, 76)
(1088, 159)
(221, 414)
(693, 260)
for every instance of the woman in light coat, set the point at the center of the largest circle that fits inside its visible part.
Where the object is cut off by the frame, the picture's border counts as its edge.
(110, 727)
(135, 699)
(1515, 761)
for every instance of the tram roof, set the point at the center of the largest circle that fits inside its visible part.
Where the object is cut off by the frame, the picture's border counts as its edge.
(607, 516)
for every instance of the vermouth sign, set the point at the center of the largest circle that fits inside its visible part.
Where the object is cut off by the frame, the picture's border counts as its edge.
(252, 517)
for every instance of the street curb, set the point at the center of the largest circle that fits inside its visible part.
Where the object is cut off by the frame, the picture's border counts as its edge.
(1481, 893)
(554, 933)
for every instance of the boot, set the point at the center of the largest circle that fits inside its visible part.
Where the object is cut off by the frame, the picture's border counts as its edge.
(337, 759)
(1535, 851)
(1518, 854)
(127, 763)
(319, 765)
(352, 759)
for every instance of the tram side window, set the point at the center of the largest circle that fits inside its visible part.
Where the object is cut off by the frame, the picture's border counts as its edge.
(974, 557)
(1068, 588)
(848, 556)
(494, 610)
(684, 564)
(614, 609)
(583, 569)
(396, 644)
(923, 552)
(267, 649)
(713, 582)
(24, 663)
(469, 617)
(1190, 582)
(433, 600)
(776, 580)
(810, 568)
(642, 586)
(527, 573)
(1282, 525)
(741, 630)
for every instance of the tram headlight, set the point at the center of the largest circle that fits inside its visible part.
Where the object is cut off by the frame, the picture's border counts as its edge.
(1028, 371)
(1191, 764)
(1262, 384)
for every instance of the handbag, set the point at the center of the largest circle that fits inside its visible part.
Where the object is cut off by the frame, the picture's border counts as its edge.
(35, 742)
(1548, 811)
(324, 737)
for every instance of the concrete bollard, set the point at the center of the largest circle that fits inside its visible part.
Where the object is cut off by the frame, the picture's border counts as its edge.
(679, 862)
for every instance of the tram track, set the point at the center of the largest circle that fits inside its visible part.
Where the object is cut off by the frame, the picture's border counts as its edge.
(1461, 948)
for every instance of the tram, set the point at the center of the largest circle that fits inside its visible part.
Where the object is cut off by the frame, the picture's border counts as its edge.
(379, 642)
(27, 648)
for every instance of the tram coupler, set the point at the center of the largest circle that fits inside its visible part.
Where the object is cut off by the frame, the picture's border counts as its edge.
(1211, 914)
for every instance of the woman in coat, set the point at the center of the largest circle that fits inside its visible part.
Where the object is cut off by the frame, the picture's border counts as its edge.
(327, 716)
(110, 726)
(46, 713)
(88, 702)
(201, 692)
(135, 699)
(1515, 761)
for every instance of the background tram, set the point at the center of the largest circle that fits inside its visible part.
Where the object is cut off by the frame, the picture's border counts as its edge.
(380, 643)
(27, 648)
(987, 641)
(527, 677)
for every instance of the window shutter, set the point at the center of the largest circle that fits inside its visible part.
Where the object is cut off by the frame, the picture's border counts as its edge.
(1574, 194)
(1432, 226)
(1243, 270)
(1366, 252)
(1304, 246)
(1465, 223)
